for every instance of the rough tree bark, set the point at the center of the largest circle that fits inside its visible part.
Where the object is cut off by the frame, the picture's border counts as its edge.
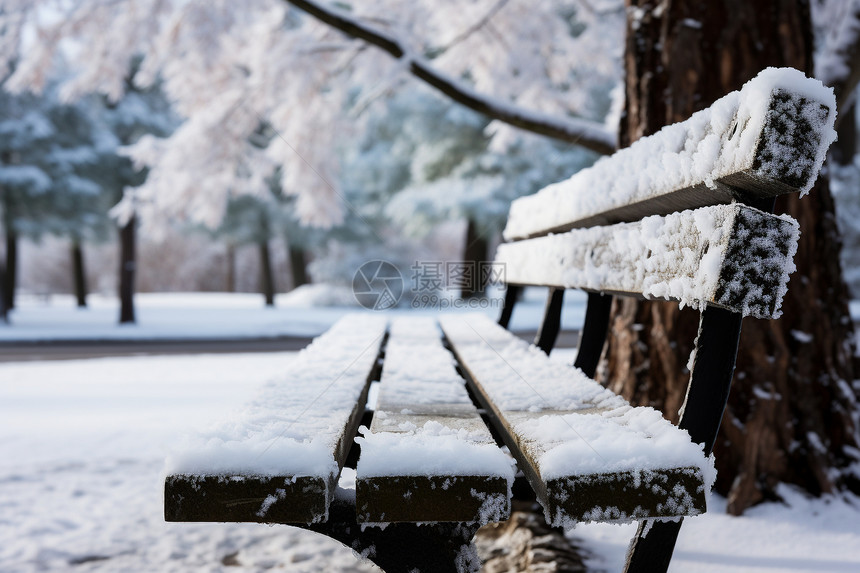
(127, 267)
(10, 279)
(79, 278)
(789, 417)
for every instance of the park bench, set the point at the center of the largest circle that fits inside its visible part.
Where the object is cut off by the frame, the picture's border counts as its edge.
(682, 215)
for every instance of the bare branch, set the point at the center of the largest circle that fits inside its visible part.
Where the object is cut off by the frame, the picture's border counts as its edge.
(474, 27)
(582, 132)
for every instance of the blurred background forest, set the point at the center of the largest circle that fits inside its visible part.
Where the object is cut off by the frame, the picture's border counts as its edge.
(265, 187)
(252, 189)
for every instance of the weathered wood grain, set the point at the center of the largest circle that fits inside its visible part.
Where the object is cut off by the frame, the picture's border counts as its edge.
(752, 160)
(731, 256)
(502, 374)
(315, 411)
(424, 410)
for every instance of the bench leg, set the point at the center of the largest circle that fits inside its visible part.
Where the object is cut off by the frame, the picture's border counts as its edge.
(593, 334)
(707, 394)
(551, 323)
(404, 547)
(652, 548)
(711, 378)
(512, 293)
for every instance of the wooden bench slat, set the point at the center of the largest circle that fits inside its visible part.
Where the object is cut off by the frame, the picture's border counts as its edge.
(428, 455)
(588, 455)
(732, 256)
(279, 461)
(767, 139)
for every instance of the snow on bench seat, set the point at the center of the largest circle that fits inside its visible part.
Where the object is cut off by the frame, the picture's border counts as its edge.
(278, 461)
(767, 139)
(732, 256)
(428, 456)
(588, 455)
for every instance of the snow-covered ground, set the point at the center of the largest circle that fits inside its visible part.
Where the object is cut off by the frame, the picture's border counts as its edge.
(221, 315)
(83, 445)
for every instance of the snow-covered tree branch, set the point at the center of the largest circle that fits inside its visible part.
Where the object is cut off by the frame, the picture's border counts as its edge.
(581, 132)
(231, 68)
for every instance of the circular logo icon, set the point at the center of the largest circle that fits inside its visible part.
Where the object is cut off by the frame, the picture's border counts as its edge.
(377, 285)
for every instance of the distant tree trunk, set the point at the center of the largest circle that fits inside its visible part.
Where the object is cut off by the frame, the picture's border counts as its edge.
(789, 417)
(79, 278)
(842, 152)
(298, 266)
(230, 280)
(127, 268)
(267, 279)
(475, 253)
(3, 314)
(10, 281)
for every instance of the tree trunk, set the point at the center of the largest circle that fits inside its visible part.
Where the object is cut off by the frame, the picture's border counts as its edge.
(79, 278)
(789, 417)
(298, 266)
(230, 279)
(844, 149)
(10, 280)
(127, 269)
(267, 281)
(475, 257)
(3, 315)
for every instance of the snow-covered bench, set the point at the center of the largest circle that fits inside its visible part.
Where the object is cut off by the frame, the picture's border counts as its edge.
(681, 215)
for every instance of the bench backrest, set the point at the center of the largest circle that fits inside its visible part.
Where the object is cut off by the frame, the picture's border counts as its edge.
(768, 139)
(696, 197)
(682, 215)
(689, 195)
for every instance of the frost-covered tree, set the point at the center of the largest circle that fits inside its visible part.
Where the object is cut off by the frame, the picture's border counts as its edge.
(430, 161)
(20, 180)
(62, 171)
(228, 66)
(48, 151)
(250, 220)
(140, 112)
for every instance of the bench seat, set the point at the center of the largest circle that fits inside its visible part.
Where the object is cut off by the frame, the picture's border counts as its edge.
(279, 459)
(428, 455)
(588, 455)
